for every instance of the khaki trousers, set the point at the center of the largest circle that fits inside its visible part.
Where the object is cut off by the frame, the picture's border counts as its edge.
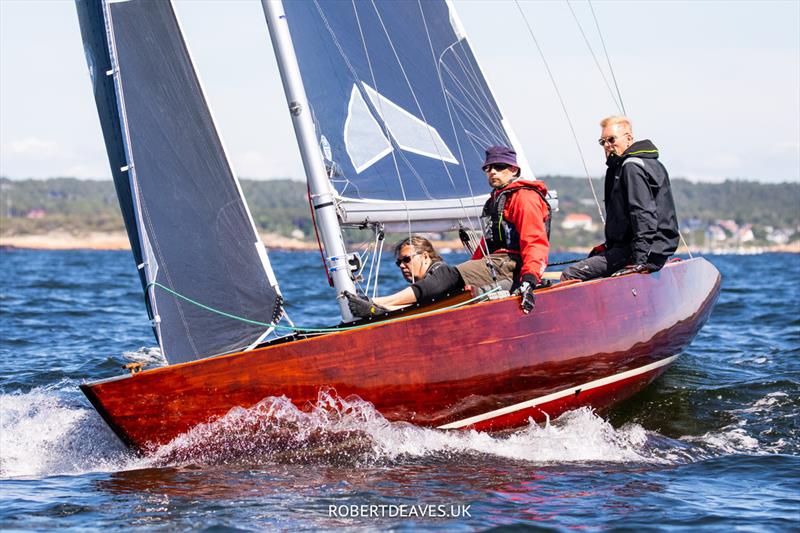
(475, 272)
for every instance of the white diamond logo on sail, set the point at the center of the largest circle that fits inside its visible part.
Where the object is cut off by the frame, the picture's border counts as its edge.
(410, 133)
(363, 138)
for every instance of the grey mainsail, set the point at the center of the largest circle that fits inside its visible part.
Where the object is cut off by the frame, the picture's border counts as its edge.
(191, 231)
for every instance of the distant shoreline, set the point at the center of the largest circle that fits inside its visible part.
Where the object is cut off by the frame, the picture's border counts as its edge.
(62, 240)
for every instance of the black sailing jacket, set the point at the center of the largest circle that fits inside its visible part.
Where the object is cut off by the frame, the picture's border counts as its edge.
(640, 211)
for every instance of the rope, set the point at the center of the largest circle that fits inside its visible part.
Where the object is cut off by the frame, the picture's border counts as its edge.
(608, 58)
(480, 297)
(560, 263)
(596, 62)
(563, 107)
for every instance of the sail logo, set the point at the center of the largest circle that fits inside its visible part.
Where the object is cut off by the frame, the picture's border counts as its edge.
(367, 141)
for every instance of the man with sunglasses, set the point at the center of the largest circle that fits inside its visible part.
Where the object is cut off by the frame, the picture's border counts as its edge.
(430, 278)
(641, 225)
(516, 222)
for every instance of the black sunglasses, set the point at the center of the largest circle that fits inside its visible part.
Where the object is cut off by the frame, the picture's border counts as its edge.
(609, 140)
(406, 259)
(499, 167)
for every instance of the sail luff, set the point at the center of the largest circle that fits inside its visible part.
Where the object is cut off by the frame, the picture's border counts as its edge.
(147, 265)
(322, 197)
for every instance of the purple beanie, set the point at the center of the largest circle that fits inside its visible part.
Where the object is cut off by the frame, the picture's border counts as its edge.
(500, 154)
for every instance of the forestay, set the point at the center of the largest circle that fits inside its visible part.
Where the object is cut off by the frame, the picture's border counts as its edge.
(190, 229)
(402, 110)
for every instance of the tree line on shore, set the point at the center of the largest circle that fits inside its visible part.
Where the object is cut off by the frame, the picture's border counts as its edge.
(36, 206)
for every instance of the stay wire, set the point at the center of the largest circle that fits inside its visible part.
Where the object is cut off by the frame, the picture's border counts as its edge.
(594, 57)
(608, 58)
(564, 108)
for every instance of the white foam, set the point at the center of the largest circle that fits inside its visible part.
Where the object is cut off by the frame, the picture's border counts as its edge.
(351, 430)
(43, 434)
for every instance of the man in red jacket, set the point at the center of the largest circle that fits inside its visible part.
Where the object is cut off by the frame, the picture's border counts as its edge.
(516, 220)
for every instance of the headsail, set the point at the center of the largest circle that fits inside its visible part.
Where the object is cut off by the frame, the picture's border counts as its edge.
(190, 229)
(402, 109)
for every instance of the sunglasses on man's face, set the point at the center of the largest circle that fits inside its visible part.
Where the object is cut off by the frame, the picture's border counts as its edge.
(499, 167)
(406, 259)
(610, 140)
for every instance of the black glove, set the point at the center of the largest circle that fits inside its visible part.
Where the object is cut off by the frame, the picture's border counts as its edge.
(363, 307)
(597, 250)
(528, 301)
(633, 269)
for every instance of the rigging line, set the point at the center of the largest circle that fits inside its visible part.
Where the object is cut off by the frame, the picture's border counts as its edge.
(686, 245)
(379, 253)
(608, 58)
(411, 88)
(474, 92)
(594, 57)
(563, 107)
(453, 126)
(358, 80)
(484, 296)
(384, 125)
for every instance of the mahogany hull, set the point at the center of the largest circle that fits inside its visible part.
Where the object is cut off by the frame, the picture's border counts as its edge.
(486, 366)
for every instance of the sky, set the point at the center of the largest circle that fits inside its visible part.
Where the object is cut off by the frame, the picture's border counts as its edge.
(715, 85)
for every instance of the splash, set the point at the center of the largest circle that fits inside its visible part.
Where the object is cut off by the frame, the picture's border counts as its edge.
(350, 431)
(52, 431)
(43, 433)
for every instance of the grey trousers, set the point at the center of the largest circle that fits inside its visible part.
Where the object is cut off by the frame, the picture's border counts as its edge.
(475, 272)
(599, 266)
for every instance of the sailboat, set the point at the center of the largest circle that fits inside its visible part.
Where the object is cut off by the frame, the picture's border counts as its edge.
(392, 114)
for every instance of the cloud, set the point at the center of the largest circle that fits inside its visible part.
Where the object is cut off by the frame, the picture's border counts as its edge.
(36, 147)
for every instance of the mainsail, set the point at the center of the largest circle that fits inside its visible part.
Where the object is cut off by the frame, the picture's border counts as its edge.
(191, 232)
(402, 110)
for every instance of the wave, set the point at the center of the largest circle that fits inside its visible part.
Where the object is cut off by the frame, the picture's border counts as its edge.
(52, 431)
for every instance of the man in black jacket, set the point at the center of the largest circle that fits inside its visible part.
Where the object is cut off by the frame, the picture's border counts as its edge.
(641, 225)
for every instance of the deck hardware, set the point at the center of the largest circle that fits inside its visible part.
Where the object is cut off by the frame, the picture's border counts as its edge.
(134, 367)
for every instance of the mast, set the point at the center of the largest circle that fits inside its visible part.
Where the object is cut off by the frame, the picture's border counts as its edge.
(322, 198)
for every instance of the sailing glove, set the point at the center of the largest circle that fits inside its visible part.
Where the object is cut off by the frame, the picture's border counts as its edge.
(528, 301)
(363, 307)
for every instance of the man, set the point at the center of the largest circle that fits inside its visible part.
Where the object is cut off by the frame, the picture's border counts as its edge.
(641, 226)
(430, 277)
(515, 217)
(516, 220)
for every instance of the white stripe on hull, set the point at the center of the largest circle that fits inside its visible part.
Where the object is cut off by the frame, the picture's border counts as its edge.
(558, 395)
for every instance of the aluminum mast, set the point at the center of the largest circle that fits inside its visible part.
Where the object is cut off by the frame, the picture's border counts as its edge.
(322, 198)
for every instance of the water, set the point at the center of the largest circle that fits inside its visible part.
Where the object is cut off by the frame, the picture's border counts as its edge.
(713, 443)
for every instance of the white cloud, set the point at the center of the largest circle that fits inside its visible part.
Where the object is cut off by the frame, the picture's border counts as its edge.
(36, 147)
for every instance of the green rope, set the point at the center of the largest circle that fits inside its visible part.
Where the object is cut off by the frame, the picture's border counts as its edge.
(307, 330)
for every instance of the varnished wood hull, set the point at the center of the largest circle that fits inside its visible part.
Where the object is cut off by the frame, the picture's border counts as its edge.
(486, 365)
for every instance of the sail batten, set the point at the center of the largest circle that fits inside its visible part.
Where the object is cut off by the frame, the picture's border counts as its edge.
(207, 277)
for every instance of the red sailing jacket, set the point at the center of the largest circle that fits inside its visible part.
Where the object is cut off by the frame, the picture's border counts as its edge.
(526, 211)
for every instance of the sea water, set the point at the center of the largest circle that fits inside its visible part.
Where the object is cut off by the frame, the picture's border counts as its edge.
(712, 444)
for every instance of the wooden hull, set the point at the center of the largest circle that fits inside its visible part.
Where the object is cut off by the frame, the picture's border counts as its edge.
(485, 366)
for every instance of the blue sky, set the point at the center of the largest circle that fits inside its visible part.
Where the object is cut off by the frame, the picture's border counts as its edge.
(716, 85)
